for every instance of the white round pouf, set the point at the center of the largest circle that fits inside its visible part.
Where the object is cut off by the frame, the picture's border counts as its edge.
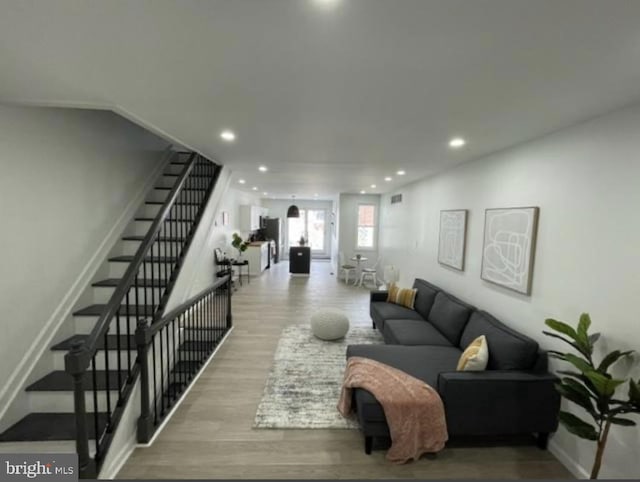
(329, 324)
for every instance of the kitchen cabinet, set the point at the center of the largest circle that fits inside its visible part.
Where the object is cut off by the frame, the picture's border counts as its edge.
(258, 256)
(250, 217)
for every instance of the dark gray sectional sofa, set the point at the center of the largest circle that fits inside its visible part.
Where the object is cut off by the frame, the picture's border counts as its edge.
(515, 395)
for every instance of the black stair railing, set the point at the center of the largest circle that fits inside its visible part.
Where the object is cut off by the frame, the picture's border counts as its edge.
(140, 296)
(172, 351)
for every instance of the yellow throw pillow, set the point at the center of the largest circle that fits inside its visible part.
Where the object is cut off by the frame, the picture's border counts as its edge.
(402, 296)
(475, 357)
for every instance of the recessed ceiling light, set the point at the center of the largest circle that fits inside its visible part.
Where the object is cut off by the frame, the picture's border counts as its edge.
(363, 192)
(315, 195)
(263, 169)
(228, 135)
(373, 186)
(254, 188)
(457, 142)
(326, 3)
(388, 179)
(401, 173)
(265, 193)
(241, 181)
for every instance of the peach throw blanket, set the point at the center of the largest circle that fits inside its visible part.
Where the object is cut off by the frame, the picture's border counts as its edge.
(414, 411)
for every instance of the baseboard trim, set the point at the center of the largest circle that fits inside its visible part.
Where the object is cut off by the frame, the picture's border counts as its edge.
(19, 377)
(110, 473)
(186, 392)
(574, 467)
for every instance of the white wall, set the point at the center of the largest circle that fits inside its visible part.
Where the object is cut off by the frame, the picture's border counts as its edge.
(586, 181)
(198, 272)
(349, 225)
(66, 176)
(278, 209)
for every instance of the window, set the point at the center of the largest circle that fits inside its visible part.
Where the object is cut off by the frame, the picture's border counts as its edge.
(366, 226)
(312, 226)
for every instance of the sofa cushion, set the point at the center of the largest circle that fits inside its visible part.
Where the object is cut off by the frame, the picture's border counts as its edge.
(422, 362)
(412, 332)
(508, 349)
(425, 296)
(381, 311)
(402, 296)
(449, 315)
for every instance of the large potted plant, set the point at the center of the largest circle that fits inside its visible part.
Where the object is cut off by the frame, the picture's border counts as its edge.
(590, 386)
(238, 243)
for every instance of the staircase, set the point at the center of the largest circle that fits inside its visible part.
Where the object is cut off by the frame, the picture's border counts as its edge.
(94, 370)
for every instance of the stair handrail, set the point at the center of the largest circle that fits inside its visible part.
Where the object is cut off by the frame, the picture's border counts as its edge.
(80, 357)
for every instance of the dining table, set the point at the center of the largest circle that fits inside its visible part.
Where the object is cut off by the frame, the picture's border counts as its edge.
(358, 260)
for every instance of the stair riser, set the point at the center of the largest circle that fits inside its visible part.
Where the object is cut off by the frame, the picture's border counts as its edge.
(130, 248)
(84, 325)
(141, 228)
(166, 181)
(62, 401)
(58, 359)
(117, 270)
(102, 295)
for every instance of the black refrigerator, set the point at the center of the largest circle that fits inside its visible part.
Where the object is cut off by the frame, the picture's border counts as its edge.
(273, 230)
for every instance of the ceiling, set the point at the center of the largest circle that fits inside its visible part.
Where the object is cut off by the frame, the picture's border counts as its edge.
(330, 95)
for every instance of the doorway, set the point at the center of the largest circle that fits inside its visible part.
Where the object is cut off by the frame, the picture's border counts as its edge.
(312, 224)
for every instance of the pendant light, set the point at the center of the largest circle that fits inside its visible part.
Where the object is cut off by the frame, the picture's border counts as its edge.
(293, 211)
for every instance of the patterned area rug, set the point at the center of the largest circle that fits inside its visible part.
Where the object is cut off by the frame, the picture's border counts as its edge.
(303, 387)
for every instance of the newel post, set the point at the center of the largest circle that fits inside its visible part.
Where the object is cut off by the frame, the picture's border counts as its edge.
(76, 364)
(145, 422)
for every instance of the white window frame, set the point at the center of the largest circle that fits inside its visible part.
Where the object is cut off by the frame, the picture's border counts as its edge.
(375, 227)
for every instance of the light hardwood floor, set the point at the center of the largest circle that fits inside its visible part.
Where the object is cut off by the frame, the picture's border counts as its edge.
(210, 435)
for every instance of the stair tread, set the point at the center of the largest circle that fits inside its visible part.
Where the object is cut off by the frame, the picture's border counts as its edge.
(49, 426)
(155, 259)
(96, 310)
(141, 238)
(161, 203)
(66, 345)
(164, 188)
(172, 174)
(143, 218)
(61, 381)
(143, 283)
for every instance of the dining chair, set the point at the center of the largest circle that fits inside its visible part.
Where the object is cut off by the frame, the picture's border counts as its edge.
(346, 269)
(370, 273)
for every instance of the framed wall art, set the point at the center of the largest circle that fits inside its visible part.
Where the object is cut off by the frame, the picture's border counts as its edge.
(509, 247)
(453, 233)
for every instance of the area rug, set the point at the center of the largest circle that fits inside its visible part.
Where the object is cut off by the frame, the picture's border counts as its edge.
(304, 384)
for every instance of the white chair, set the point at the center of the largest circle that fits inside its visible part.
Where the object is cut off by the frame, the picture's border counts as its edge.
(370, 273)
(346, 269)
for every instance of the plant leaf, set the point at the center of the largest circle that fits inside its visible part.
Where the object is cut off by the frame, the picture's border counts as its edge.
(578, 397)
(611, 358)
(562, 328)
(582, 332)
(581, 364)
(604, 385)
(574, 345)
(577, 426)
(581, 378)
(593, 338)
(622, 421)
(579, 386)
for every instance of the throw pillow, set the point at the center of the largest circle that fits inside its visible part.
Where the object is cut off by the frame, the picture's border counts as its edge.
(402, 296)
(476, 356)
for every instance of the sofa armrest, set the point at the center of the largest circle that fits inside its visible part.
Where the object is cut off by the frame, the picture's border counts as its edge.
(377, 295)
(497, 402)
